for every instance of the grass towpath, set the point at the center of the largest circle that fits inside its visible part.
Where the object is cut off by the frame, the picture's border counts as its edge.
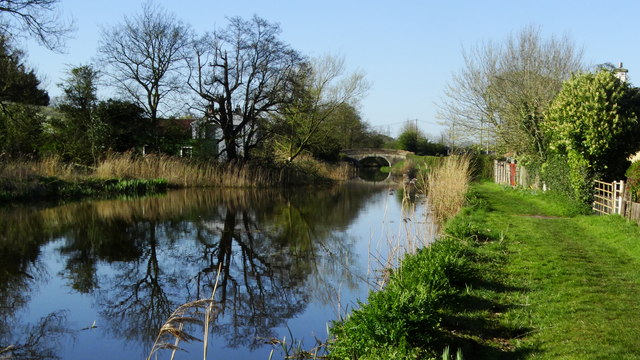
(559, 285)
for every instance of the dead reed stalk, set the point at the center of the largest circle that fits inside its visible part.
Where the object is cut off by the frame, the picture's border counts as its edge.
(446, 186)
(187, 313)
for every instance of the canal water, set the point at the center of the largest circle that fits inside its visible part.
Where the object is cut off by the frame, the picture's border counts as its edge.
(97, 279)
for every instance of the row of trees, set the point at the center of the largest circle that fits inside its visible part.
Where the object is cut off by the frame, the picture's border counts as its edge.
(411, 138)
(79, 128)
(262, 97)
(532, 99)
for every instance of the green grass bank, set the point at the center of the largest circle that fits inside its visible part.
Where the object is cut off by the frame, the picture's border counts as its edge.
(517, 275)
(43, 188)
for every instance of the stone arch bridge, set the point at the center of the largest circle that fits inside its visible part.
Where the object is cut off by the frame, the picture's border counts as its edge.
(390, 155)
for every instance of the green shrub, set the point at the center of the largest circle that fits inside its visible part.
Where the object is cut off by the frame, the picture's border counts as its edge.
(482, 167)
(633, 180)
(555, 174)
(401, 321)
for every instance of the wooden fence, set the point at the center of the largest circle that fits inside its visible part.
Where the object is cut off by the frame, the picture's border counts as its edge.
(609, 197)
(507, 173)
(612, 198)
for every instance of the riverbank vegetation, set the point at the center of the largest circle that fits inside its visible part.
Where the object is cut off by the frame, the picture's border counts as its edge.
(516, 275)
(446, 186)
(52, 180)
(128, 174)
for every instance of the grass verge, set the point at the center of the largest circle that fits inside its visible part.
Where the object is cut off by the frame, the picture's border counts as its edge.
(39, 188)
(517, 275)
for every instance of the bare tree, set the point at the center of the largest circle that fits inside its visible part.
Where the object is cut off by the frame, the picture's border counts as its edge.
(241, 74)
(504, 90)
(38, 18)
(145, 55)
(323, 87)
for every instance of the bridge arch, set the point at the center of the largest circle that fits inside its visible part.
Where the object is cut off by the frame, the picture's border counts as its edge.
(369, 160)
(390, 155)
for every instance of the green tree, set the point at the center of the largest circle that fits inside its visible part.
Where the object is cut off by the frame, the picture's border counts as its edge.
(81, 134)
(409, 138)
(21, 125)
(593, 121)
(18, 83)
(342, 129)
(414, 140)
(323, 89)
(127, 126)
(21, 130)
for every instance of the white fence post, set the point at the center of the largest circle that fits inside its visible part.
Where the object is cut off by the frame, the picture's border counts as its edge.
(618, 195)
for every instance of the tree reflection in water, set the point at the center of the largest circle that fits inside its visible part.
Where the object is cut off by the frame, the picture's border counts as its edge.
(139, 259)
(36, 342)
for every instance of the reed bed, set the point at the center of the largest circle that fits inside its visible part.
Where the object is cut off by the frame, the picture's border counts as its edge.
(23, 175)
(23, 170)
(193, 173)
(187, 173)
(446, 186)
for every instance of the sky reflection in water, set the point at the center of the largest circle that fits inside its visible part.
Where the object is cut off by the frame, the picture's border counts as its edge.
(291, 262)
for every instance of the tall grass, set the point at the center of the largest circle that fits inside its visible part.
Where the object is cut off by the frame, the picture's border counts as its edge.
(186, 173)
(178, 172)
(445, 186)
(401, 320)
(193, 173)
(23, 170)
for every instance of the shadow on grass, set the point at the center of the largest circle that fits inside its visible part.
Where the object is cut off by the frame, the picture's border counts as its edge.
(472, 323)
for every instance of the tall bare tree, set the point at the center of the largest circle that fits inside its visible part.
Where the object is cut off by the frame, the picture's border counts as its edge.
(145, 55)
(504, 89)
(241, 74)
(38, 18)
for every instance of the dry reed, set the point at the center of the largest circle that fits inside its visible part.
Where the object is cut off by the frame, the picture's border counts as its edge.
(187, 313)
(182, 172)
(399, 237)
(190, 173)
(179, 172)
(446, 186)
(22, 170)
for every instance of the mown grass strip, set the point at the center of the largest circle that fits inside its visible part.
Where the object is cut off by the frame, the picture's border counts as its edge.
(535, 278)
(574, 278)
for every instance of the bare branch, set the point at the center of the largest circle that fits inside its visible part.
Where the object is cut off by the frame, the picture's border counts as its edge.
(145, 57)
(38, 18)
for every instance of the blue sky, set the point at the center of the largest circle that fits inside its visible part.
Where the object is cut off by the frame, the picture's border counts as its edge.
(409, 50)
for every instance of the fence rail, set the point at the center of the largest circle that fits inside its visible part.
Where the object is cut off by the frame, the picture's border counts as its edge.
(613, 198)
(609, 197)
(507, 173)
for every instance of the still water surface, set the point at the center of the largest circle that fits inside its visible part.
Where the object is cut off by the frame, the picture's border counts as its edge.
(97, 279)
